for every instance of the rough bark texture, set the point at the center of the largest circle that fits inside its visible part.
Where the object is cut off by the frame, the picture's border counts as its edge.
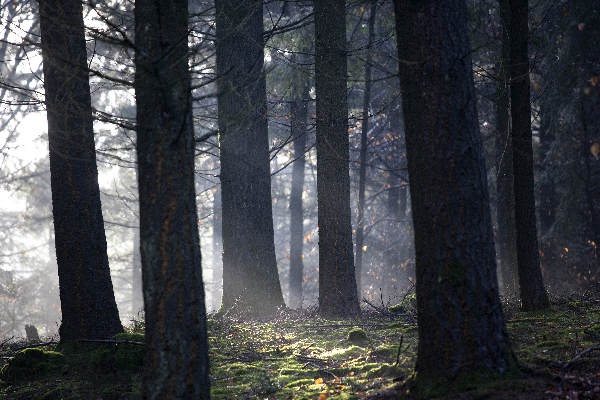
(362, 174)
(461, 326)
(533, 294)
(505, 206)
(299, 114)
(176, 365)
(250, 276)
(86, 292)
(337, 282)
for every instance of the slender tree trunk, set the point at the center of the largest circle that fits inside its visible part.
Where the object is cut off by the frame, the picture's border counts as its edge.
(338, 295)
(360, 223)
(505, 207)
(137, 302)
(88, 303)
(299, 114)
(250, 276)
(176, 365)
(461, 327)
(533, 294)
(217, 249)
(548, 201)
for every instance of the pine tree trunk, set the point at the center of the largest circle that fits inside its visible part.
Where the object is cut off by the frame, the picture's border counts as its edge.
(460, 321)
(137, 302)
(88, 303)
(533, 294)
(505, 207)
(176, 365)
(299, 114)
(338, 295)
(217, 250)
(360, 223)
(250, 276)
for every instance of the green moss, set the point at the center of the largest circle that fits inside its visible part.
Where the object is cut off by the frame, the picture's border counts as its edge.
(118, 357)
(31, 363)
(357, 336)
(385, 370)
(592, 333)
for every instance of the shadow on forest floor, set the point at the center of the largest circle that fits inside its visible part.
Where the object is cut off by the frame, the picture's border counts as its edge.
(299, 356)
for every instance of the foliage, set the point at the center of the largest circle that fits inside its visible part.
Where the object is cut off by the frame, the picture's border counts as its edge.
(30, 364)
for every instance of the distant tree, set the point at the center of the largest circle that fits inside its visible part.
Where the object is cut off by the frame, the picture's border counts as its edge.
(460, 321)
(337, 281)
(299, 133)
(176, 365)
(250, 276)
(505, 206)
(533, 294)
(217, 248)
(360, 223)
(86, 292)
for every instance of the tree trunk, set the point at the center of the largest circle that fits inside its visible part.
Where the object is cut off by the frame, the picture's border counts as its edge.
(250, 276)
(176, 365)
(337, 282)
(217, 250)
(360, 223)
(460, 322)
(137, 302)
(88, 303)
(505, 207)
(533, 294)
(299, 114)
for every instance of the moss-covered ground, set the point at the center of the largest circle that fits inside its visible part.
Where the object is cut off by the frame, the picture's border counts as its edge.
(303, 357)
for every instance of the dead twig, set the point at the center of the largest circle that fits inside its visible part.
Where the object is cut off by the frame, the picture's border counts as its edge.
(399, 350)
(35, 345)
(381, 310)
(111, 341)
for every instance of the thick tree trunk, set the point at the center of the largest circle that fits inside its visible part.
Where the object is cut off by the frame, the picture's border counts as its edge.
(88, 303)
(250, 276)
(533, 294)
(299, 114)
(461, 327)
(176, 364)
(337, 282)
(505, 207)
(362, 174)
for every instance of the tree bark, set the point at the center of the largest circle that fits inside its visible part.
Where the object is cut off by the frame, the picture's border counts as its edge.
(460, 321)
(533, 294)
(88, 303)
(337, 282)
(299, 114)
(137, 302)
(217, 249)
(250, 276)
(176, 365)
(362, 174)
(505, 206)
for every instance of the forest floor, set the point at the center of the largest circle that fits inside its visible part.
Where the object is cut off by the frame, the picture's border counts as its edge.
(299, 356)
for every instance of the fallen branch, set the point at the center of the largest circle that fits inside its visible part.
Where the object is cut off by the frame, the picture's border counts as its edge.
(381, 310)
(35, 345)
(399, 350)
(111, 341)
(578, 356)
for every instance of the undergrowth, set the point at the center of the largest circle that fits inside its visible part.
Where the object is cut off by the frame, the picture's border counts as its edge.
(303, 357)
